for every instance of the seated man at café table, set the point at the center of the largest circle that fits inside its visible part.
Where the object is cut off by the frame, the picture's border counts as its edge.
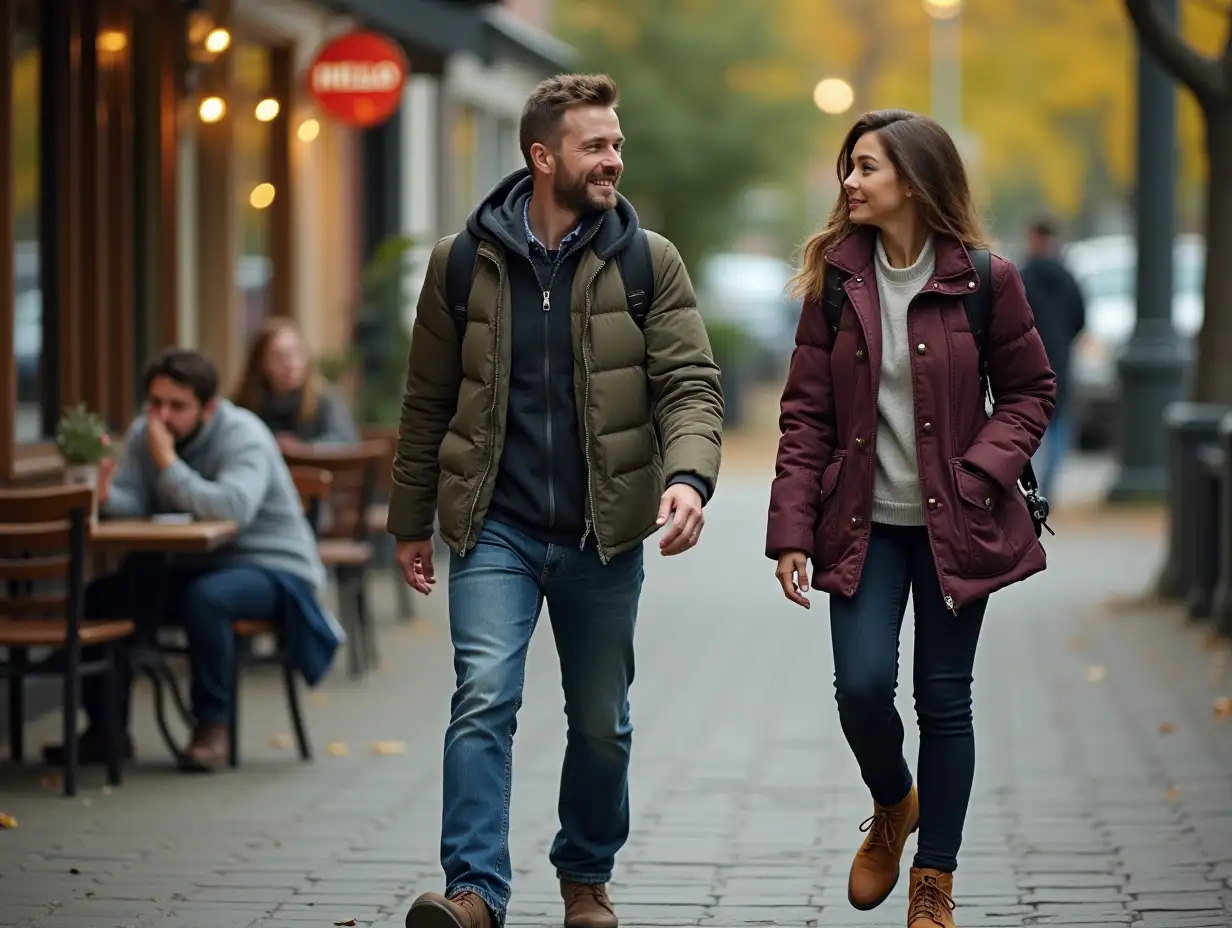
(195, 453)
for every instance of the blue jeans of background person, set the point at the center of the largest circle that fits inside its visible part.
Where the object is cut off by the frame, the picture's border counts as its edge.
(1052, 450)
(496, 593)
(202, 601)
(865, 631)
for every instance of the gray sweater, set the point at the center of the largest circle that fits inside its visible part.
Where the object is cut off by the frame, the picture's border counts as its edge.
(896, 490)
(233, 470)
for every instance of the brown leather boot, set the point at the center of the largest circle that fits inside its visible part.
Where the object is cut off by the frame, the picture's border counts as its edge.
(874, 872)
(932, 899)
(462, 910)
(208, 749)
(587, 905)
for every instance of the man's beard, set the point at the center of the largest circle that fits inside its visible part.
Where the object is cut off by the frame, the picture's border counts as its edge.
(574, 194)
(182, 443)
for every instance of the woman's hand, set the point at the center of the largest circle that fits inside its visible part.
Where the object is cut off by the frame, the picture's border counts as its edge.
(793, 576)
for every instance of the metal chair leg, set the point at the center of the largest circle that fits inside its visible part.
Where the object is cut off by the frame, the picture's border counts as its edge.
(233, 727)
(111, 712)
(297, 715)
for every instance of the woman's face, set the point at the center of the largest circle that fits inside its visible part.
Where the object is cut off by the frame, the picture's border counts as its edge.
(875, 192)
(284, 363)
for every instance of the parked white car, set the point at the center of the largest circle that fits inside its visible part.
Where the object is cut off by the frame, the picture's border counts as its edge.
(1106, 267)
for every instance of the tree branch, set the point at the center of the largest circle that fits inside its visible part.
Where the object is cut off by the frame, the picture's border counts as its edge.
(1200, 74)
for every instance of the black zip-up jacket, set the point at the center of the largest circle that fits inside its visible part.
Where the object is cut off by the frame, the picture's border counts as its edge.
(541, 480)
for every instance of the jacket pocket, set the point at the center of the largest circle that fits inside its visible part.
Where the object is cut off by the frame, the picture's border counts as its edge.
(827, 542)
(981, 503)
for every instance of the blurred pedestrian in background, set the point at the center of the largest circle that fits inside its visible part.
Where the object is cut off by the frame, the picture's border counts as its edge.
(1060, 316)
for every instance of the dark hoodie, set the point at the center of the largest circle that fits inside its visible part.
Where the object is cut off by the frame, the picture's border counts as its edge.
(1060, 313)
(541, 480)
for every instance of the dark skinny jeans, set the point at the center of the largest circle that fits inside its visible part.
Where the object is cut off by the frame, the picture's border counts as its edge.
(865, 632)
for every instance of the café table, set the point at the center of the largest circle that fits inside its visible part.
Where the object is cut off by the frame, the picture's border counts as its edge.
(155, 538)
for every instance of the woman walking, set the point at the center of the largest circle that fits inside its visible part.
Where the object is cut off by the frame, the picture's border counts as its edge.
(892, 477)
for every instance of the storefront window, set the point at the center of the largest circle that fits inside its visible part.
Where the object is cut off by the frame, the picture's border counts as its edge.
(253, 137)
(27, 290)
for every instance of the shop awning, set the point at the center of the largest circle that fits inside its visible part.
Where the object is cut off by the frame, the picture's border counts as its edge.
(442, 26)
(513, 37)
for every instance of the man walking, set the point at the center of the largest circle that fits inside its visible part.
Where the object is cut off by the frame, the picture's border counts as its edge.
(1060, 316)
(562, 404)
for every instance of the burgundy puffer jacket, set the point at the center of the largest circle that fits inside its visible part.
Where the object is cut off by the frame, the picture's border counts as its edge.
(821, 500)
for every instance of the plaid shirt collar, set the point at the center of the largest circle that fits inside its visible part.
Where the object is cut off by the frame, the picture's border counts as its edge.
(535, 243)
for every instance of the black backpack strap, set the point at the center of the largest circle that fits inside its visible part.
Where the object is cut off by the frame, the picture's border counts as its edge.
(459, 275)
(979, 309)
(833, 297)
(637, 271)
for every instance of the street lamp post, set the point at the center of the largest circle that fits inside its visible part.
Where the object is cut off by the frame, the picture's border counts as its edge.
(1152, 368)
(946, 63)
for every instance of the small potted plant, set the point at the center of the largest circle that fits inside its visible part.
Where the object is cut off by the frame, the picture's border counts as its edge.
(82, 440)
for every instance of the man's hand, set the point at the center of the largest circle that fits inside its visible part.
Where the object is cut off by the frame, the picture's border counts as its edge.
(106, 470)
(793, 576)
(289, 444)
(683, 505)
(415, 559)
(162, 443)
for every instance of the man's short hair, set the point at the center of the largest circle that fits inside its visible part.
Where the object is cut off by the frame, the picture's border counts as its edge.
(552, 98)
(187, 368)
(1045, 226)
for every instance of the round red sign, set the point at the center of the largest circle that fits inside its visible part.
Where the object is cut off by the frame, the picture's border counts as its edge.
(357, 78)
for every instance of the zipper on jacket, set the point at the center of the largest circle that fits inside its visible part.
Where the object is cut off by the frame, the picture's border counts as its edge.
(590, 477)
(561, 258)
(487, 468)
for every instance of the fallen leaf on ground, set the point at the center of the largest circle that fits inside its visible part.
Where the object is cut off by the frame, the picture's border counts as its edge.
(1223, 707)
(1096, 673)
(1173, 794)
(1215, 642)
(320, 699)
(51, 781)
(1166, 728)
(7, 821)
(1077, 643)
(281, 742)
(337, 749)
(345, 923)
(389, 747)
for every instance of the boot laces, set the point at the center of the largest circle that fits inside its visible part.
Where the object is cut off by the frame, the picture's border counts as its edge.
(930, 901)
(595, 891)
(880, 829)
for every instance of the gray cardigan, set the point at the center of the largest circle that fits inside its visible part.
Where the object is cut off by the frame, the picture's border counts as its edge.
(233, 470)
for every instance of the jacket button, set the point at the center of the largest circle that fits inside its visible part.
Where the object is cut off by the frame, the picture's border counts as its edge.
(857, 521)
(921, 348)
(927, 426)
(932, 503)
(861, 443)
(971, 285)
(987, 502)
(860, 353)
(859, 280)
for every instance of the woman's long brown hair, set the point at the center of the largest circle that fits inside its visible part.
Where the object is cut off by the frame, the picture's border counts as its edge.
(927, 159)
(253, 389)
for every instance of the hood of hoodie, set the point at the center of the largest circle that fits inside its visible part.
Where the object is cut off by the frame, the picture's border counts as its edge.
(499, 219)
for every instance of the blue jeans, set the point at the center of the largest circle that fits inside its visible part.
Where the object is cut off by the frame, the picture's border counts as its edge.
(495, 595)
(1052, 450)
(865, 632)
(204, 603)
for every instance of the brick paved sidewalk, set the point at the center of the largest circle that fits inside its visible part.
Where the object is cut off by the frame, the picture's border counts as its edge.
(746, 799)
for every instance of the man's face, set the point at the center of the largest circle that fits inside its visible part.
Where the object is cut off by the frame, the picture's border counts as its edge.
(586, 162)
(177, 407)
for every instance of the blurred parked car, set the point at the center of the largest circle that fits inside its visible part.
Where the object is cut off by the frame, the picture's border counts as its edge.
(1106, 268)
(748, 291)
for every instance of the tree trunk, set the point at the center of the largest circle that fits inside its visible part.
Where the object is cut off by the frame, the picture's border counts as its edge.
(1212, 382)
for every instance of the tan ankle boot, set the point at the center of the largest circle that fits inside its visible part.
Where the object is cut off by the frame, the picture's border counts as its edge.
(932, 899)
(462, 910)
(587, 905)
(874, 872)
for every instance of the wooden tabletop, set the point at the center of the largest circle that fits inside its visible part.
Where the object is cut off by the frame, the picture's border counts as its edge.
(124, 536)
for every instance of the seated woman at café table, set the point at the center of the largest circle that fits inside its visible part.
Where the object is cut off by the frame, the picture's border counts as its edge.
(196, 453)
(284, 388)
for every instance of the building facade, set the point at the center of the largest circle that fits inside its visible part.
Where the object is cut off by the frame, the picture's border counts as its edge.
(167, 178)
